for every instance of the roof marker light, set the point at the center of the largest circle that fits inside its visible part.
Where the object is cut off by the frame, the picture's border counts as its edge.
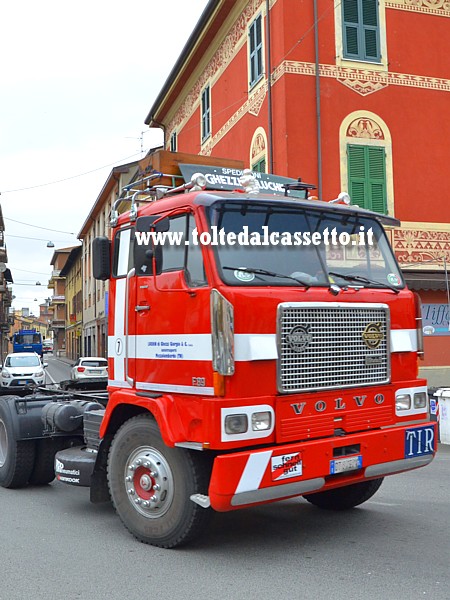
(198, 181)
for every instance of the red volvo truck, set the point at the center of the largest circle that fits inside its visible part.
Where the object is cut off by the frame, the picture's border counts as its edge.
(262, 345)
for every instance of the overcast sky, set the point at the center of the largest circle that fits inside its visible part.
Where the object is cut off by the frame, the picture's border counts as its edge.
(77, 82)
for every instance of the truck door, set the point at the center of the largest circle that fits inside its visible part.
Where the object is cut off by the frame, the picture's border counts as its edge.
(122, 318)
(173, 329)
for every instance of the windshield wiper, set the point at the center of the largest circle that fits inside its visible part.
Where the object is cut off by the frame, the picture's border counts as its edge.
(268, 273)
(366, 280)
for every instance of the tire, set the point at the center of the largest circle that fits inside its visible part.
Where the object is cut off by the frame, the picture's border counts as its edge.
(16, 456)
(44, 464)
(151, 484)
(345, 497)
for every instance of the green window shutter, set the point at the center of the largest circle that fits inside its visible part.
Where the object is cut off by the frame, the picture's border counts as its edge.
(377, 179)
(367, 177)
(357, 175)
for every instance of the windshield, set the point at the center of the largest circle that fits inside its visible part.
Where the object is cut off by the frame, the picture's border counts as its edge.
(22, 361)
(276, 245)
(27, 338)
(94, 363)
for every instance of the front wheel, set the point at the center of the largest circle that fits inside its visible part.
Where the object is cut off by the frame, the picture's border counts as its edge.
(151, 485)
(345, 497)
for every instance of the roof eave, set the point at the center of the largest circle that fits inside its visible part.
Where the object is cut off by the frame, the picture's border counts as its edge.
(152, 117)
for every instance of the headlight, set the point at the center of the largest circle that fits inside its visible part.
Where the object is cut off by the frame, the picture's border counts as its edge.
(261, 421)
(39, 374)
(403, 402)
(5, 374)
(247, 422)
(420, 400)
(236, 424)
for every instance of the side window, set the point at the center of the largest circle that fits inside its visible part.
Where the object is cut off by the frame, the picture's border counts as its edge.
(367, 177)
(255, 50)
(361, 30)
(173, 253)
(178, 256)
(123, 252)
(195, 269)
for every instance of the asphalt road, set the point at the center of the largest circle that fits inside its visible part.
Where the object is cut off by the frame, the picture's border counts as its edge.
(56, 371)
(55, 544)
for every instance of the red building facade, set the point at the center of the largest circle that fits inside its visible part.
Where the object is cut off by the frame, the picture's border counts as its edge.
(352, 96)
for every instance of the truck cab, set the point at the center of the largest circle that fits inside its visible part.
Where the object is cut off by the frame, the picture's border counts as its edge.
(262, 345)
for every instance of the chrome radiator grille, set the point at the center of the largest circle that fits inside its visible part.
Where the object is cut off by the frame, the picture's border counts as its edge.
(329, 345)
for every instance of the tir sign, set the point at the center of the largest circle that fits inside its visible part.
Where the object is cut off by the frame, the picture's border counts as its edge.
(372, 335)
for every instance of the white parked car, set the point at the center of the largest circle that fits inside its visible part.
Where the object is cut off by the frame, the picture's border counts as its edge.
(22, 368)
(88, 367)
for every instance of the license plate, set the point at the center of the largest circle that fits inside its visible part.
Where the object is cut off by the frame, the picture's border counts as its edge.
(418, 441)
(92, 372)
(341, 465)
(21, 382)
(286, 466)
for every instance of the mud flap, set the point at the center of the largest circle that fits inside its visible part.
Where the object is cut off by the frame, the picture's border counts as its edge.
(75, 466)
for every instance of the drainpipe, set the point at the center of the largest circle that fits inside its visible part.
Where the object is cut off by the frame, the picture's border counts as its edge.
(318, 115)
(269, 87)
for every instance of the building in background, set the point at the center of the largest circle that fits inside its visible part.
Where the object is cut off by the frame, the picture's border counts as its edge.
(58, 300)
(350, 96)
(72, 272)
(5, 293)
(95, 293)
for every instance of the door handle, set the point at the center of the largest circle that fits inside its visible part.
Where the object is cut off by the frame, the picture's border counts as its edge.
(140, 308)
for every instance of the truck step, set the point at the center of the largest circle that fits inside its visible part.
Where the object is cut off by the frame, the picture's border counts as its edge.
(75, 465)
(91, 424)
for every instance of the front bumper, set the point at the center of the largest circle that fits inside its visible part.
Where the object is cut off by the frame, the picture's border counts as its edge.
(265, 475)
(22, 382)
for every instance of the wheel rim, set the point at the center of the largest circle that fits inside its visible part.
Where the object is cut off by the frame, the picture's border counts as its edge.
(3, 443)
(149, 482)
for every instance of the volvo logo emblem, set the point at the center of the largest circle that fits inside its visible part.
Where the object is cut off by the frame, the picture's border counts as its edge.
(372, 335)
(299, 337)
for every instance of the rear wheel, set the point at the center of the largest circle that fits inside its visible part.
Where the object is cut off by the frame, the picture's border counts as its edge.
(44, 464)
(345, 497)
(151, 485)
(16, 456)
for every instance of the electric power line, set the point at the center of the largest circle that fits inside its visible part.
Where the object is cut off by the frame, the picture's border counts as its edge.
(33, 187)
(38, 226)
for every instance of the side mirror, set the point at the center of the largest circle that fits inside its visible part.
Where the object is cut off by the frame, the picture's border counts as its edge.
(144, 249)
(45, 365)
(101, 258)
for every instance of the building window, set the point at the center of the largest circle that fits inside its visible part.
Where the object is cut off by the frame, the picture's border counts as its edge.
(206, 113)
(260, 166)
(361, 30)
(367, 171)
(255, 50)
(173, 142)
(367, 176)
